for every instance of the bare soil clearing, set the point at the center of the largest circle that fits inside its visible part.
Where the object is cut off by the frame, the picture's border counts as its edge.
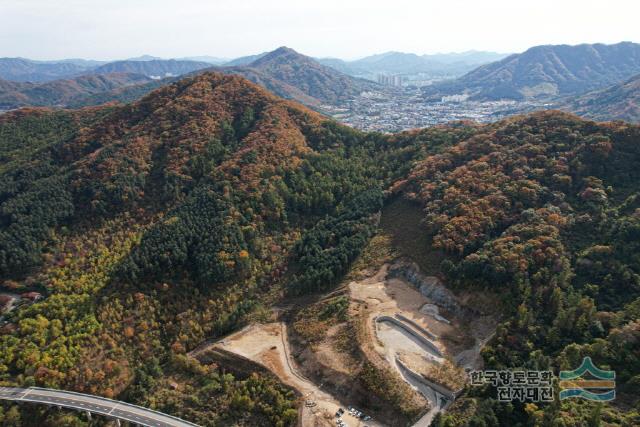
(267, 345)
(414, 342)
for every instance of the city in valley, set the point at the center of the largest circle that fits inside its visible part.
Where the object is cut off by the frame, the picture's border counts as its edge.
(395, 109)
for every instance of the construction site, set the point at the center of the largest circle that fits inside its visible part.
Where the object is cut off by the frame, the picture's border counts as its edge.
(390, 346)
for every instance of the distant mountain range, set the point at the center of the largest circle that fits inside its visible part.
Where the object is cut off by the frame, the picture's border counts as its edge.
(64, 92)
(26, 70)
(283, 71)
(618, 102)
(209, 59)
(144, 58)
(205, 58)
(410, 63)
(546, 71)
(446, 64)
(597, 81)
(155, 68)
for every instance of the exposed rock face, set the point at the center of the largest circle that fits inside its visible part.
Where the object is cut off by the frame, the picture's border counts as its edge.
(429, 286)
(433, 311)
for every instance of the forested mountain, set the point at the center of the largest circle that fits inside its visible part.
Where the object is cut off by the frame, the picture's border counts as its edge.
(122, 94)
(337, 64)
(545, 210)
(284, 69)
(25, 70)
(545, 71)
(156, 68)
(64, 92)
(618, 102)
(152, 227)
(272, 84)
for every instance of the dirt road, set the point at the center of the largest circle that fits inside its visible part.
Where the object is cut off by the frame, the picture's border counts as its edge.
(267, 345)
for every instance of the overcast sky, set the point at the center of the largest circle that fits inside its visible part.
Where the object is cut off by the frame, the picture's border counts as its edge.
(112, 29)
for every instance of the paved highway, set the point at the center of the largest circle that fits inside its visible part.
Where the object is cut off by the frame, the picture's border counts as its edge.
(94, 404)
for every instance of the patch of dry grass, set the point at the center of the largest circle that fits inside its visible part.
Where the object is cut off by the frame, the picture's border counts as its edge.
(312, 323)
(447, 374)
(378, 251)
(402, 221)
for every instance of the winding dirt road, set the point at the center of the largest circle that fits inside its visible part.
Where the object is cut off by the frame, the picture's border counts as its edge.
(267, 345)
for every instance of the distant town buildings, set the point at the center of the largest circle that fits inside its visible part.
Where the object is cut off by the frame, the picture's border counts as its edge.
(386, 80)
(397, 109)
(455, 98)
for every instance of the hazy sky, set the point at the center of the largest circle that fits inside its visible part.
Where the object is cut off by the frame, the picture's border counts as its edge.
(111, 29)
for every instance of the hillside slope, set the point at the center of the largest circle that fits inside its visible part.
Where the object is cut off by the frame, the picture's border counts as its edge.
(292, 75)
(64, 92)
(177, 211)
(514, 208)
(618, 102)
(545, 71)
(156, 68)
(275, 86)
(25, 70)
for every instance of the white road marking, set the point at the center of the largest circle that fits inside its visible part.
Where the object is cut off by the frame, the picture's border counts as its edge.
(113, 409)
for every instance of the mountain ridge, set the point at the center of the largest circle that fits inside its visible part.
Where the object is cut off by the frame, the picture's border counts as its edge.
(64, 92)
(283, 71)
(396, 62)
(546, 71)
(292, 75)
(26, 70)
(157, 68)
(618, 102)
